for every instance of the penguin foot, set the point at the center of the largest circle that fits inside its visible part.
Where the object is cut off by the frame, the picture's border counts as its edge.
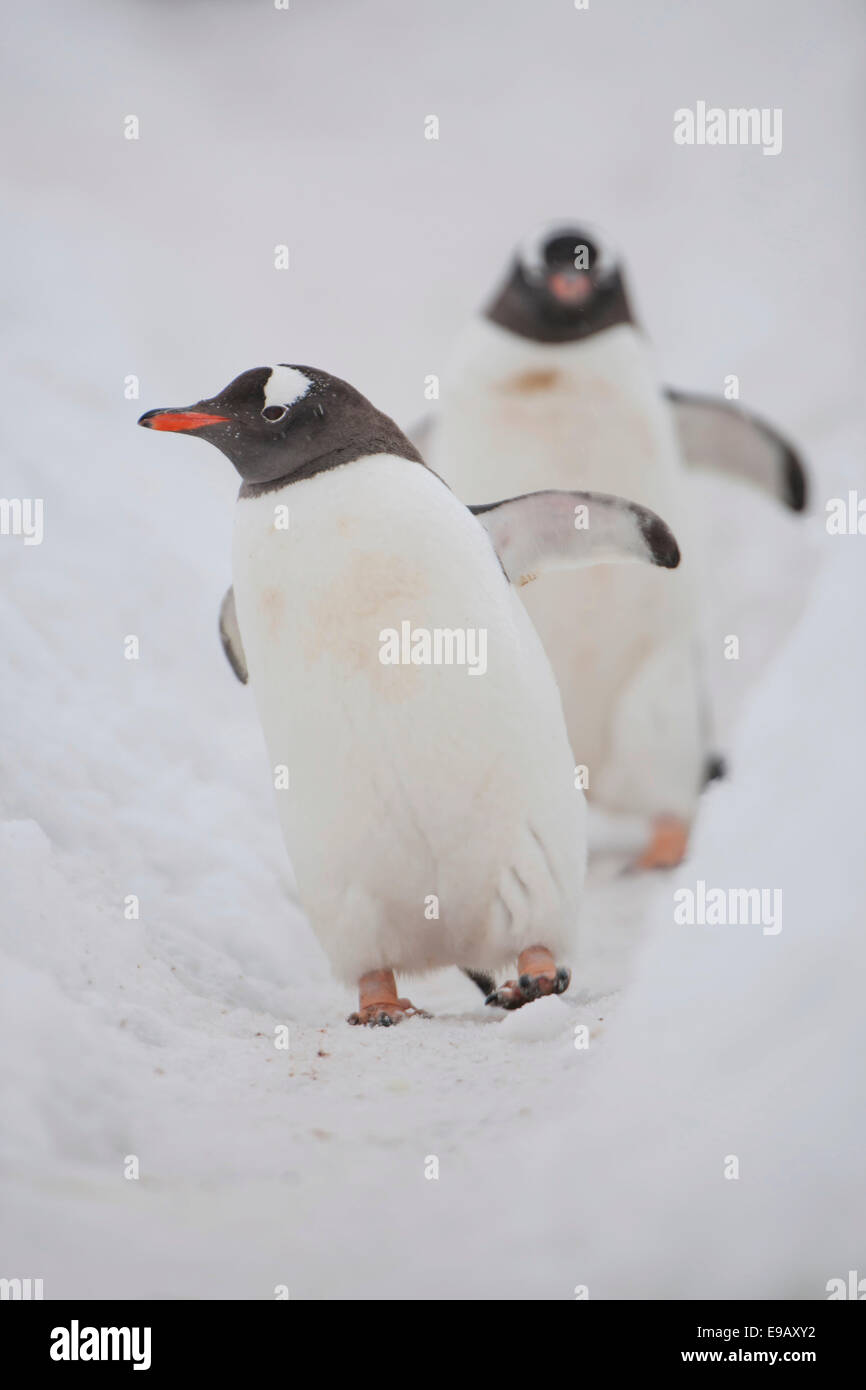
(385, 1015)
(539, 975)
(667, 846)
(378, 1004)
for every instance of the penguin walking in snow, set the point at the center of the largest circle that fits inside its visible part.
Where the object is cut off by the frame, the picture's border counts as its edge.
(553, 387)
(431, 812)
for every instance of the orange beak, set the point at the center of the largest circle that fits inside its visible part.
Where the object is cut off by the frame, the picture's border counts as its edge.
(570, 287)
(179, 419)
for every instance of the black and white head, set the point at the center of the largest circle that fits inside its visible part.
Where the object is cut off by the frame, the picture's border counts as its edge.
(565, 283)
(283, 423)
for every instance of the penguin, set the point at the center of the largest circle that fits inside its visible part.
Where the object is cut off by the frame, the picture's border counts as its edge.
(431, 812)
(553, 387)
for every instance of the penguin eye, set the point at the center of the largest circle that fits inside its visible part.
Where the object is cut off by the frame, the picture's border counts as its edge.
(275, 413)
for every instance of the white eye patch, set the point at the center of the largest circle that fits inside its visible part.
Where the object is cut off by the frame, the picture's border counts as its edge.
(284, 386)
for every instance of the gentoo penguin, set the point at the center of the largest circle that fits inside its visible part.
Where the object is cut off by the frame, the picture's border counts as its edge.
(431, 812)
(553, 387)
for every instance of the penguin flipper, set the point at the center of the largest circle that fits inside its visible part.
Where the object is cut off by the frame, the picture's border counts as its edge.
(568, 530)
(718, 434)
(230, 634)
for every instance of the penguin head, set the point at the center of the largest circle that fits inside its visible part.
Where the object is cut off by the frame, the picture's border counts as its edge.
(564, 283)
(277, 424)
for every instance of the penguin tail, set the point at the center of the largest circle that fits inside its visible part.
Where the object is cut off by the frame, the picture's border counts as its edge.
(485, 982)
(715, 769)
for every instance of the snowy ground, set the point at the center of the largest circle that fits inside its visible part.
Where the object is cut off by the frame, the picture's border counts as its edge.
(558, 1166)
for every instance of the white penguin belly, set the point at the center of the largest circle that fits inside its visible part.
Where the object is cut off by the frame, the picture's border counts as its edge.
(519, 417)
(431, 813)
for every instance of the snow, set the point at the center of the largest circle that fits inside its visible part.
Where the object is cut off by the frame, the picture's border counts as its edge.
(559, 1165)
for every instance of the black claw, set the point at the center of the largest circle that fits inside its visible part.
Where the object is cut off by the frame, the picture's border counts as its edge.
(525, 982)
(563, 979)
(385, 1019)
(498, 999)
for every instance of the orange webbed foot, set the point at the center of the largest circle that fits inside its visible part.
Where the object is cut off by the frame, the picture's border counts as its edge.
(668, 844)
(538, 975)
(385, 1014)
(378, 1004)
